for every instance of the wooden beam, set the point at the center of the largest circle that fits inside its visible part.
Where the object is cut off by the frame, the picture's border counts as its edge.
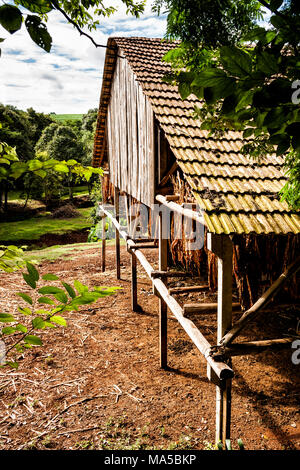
(163, 274)
(165, 190)
(188, 289)
(252, 347)
(202, 308)
(173, 206)
(134, 303)
(143, 240)
(221, 245)
(172, 197)
(163, 317)
(118, 251)
(103, 244)
(143, 246)
(168, 174)
(221, 369)
(261, 303)
(120, 229)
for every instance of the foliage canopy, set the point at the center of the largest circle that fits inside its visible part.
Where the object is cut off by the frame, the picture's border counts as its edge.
(246, 73)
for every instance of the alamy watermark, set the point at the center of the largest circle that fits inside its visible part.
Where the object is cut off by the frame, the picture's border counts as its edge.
(145, 224)
(296, 354)
(2, 353)
(296, 93)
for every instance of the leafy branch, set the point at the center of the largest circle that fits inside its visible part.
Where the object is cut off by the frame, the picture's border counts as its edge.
(60, 300)
(76, 12)
(11, 168)
(76, 26)
(246, 82)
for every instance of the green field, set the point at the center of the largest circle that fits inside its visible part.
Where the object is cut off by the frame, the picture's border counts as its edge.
(66, 117)
(35, 227)
(15, 196)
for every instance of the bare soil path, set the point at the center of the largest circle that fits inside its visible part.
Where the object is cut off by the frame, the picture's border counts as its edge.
(97, 383)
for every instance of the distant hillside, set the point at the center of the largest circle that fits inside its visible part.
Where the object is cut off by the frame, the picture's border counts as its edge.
(67, 117)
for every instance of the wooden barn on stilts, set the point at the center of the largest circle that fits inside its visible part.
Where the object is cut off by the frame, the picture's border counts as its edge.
(154, 152)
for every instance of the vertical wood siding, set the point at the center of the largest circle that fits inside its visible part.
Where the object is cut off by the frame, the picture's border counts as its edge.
(130, 136)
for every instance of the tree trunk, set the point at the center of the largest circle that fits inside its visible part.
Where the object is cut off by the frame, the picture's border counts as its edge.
(6, 188)
(70, 186)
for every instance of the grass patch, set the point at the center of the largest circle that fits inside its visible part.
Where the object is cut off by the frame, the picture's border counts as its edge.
(64, 251)
(35, 227)
(77, 191)
(59, 251)
(121, 434)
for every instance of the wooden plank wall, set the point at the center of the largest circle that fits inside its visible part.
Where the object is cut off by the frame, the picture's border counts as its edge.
(130, 136)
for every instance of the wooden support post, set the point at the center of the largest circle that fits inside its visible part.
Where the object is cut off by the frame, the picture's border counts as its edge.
(261, 303)
(221, 245)
(103, 243)
(134, 304)
(117, 210)
(221, 370)
(163, 323)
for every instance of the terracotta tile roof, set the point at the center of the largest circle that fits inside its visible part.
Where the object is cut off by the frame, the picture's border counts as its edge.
(237, 194)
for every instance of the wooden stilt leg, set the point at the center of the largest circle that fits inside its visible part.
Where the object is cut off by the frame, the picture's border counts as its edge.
(103, 243)
(134, 304)
(219, 414)
(224, 324)
(221, 245)
(118, 257)
(226, 410)
(163, 324)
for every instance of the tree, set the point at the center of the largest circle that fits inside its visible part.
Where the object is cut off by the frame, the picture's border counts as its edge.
(8, 157)
(88, 128)
(73, 168)
(38, 122)
(17, 131)
(79, 13)
(212, 23)
(89, 119)
(60, 142)
(20, 130)
(46, 137)
(11, 169)
(247, 77)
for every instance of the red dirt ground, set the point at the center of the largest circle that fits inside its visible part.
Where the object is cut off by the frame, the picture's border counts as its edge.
(97, 383)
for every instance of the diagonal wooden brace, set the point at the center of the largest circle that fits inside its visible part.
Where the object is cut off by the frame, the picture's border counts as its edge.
(261, 303)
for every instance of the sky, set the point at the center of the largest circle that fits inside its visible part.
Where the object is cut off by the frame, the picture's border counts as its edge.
(68, 79)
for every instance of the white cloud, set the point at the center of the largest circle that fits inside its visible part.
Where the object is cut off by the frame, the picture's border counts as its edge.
(68, 80)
